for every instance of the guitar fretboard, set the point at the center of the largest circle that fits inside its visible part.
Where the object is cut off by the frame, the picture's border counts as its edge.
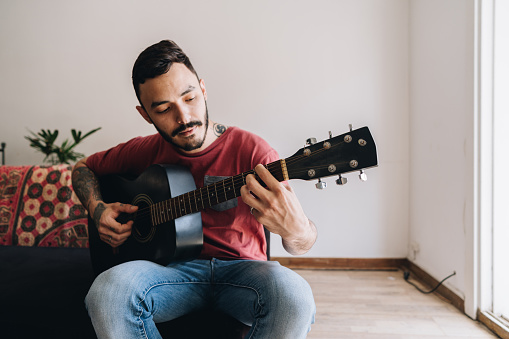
(208, 196)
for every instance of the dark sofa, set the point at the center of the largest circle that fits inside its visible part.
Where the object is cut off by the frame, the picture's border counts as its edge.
(45, 266)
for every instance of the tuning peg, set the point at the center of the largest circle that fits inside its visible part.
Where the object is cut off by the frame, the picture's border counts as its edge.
(341, 181)
(363, 176)
(330, 135)
(350, 126)
(321, 184)
(310, 141)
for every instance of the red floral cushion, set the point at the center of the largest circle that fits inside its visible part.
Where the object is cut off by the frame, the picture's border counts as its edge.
(39, 208)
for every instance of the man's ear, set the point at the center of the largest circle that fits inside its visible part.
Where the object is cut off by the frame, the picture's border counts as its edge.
(203, 90)
(144, 114)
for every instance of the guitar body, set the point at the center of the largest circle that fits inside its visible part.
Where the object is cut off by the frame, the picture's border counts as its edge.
(173, 240)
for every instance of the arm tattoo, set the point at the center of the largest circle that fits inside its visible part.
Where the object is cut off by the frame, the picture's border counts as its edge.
(97, 213)
(86, 186)
(219, 129)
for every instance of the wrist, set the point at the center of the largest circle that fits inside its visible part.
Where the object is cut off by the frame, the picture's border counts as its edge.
(301, 241)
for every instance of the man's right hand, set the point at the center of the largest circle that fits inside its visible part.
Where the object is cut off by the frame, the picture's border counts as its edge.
(110, 230)
(86, 186)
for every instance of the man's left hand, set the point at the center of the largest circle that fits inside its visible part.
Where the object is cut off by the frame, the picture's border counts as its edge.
(279, 210)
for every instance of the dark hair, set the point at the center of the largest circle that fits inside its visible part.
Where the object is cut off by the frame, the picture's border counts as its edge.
(156, 60)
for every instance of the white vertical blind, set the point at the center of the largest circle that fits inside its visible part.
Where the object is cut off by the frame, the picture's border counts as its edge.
(501, 161)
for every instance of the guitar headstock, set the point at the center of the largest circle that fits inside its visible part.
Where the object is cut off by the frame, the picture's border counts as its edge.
(352, 151)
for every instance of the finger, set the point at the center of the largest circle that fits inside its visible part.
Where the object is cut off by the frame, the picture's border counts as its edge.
(117, 209)
(248, 198)
(113, 239)
(267, 177)
(126, 208)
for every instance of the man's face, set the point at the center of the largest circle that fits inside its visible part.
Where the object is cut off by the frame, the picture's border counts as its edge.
(175, 102)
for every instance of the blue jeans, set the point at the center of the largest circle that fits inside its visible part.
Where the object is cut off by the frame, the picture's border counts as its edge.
(127, 300)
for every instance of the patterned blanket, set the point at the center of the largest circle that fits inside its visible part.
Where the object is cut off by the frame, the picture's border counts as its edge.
(39, 208)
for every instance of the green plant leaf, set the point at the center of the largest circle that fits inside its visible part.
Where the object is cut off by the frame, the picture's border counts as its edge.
(44, 143)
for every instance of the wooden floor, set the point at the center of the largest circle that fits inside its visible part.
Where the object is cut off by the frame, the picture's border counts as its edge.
(382, 305)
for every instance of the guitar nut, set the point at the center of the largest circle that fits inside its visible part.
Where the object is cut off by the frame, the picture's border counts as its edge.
(362, 142)
(354, 164)
(348, 138)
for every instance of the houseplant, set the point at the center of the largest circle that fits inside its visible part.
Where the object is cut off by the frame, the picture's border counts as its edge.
(44, 142)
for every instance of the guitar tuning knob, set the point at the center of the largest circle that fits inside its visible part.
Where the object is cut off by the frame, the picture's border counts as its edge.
(330, 135)
(310, 141)
(341, 180)
(363, 176)
(321, 184)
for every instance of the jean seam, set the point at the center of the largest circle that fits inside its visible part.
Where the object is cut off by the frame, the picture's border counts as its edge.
(255, 323)
(157, 285)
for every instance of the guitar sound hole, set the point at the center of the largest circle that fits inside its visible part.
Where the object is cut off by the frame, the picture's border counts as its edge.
(143, 230)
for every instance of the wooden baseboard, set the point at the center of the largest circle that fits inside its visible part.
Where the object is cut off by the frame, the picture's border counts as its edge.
(340, 263)
(374, 264)
(494, 324)
(430, 282)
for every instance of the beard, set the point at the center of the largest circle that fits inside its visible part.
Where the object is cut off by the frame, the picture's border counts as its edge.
(192, 143)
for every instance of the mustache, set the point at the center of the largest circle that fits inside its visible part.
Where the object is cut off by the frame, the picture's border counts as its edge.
(182, 128)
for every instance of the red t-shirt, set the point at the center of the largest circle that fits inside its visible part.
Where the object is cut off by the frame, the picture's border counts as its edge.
(229, 230)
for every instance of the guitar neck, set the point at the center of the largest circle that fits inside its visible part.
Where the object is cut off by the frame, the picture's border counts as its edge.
(211, 195)
(351, 151)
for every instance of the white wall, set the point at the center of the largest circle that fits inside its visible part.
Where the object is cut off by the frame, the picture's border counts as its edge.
(286, 70)
(441, 137)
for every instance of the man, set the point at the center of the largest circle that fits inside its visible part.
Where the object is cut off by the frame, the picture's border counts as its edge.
(232, 272)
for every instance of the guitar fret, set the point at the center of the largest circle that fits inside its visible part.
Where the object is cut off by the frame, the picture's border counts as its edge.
(175, 208)
(233, 186)
(208, 195)
(188, 200)
(217, 195)
(201, 198)
(196, 202)
(158, 209)
(152, 214)
(165, 210)
(156, 214)
(183, 204)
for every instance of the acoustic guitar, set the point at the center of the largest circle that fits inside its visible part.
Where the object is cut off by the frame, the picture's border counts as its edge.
(167, 225)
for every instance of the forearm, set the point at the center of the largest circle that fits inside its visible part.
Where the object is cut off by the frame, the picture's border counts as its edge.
(301, 243)
(86, 186)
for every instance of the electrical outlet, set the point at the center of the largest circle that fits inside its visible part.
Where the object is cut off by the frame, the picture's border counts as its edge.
(413, 249)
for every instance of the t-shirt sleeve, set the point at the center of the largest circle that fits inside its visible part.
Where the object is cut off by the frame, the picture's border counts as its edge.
(132, 157)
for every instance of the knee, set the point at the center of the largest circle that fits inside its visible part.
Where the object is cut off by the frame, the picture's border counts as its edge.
(100, 293)
(293, 296)
(112, 287)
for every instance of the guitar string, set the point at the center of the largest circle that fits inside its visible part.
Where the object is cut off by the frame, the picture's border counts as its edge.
(219, 186)
(169, 211)
(236, 180)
